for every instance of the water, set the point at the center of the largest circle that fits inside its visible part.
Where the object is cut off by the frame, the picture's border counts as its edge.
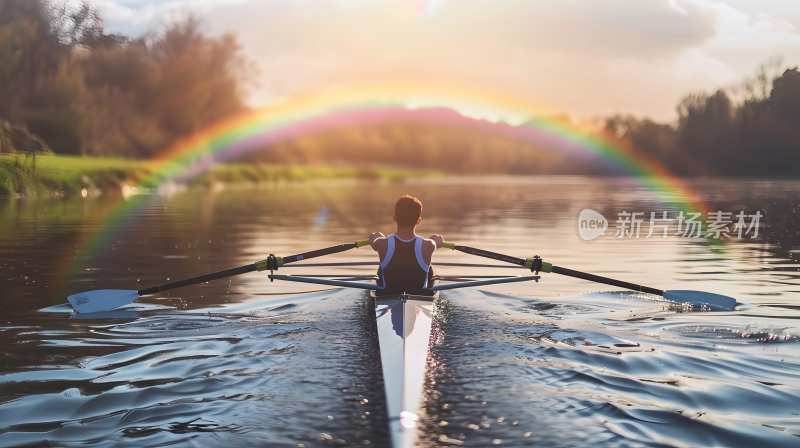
(247, 362)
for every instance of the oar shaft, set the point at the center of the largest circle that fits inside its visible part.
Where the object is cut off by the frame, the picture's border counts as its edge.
(487, 254)
(547, 267)
(605, 280)
(321, 252)
(471, 265)
(258, 266)
(199, 279)
(273, 263)
(343, 264)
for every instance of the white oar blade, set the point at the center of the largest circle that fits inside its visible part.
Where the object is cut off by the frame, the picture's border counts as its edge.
(101, 300)
(699, 298)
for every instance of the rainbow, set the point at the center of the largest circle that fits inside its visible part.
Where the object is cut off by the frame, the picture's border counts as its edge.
(455, 106)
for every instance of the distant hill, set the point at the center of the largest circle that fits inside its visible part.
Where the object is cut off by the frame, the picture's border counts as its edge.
(421, 146)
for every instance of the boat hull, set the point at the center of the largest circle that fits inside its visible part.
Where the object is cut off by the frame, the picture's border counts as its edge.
(404, 329)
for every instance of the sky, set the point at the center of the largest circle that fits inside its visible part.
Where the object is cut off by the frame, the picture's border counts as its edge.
(585, 58)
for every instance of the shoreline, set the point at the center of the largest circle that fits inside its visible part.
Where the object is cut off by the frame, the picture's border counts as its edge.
(23, 176)
(60, 175)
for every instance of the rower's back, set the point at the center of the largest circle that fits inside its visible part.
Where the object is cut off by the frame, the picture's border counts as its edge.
(403, 268)
(405, 257)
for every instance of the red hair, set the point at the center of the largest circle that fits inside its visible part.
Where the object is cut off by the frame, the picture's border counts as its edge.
(407, 211)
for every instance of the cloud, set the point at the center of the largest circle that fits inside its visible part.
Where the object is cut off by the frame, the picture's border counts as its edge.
(586, 57)
(611, 28)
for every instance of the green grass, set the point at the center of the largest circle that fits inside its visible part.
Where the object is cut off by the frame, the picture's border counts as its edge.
(235, 173)
(49, 173)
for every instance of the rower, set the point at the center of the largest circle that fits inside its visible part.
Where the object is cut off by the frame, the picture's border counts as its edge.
(406, 257)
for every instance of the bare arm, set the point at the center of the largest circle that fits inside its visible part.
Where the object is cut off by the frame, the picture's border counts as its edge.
(432, 243)
(375, 236)
(379, 244)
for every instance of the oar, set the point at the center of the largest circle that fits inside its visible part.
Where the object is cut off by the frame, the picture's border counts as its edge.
(535, 264)
(107, 299)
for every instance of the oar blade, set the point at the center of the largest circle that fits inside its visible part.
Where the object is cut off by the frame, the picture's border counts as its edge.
(699, 298)
(101, 300)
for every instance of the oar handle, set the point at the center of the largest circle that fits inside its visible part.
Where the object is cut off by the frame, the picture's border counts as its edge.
(605, 280)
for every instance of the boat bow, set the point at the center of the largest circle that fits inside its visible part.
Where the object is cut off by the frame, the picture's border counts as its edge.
(404, 330)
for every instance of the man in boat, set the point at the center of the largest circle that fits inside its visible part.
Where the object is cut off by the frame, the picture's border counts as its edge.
(405, 257)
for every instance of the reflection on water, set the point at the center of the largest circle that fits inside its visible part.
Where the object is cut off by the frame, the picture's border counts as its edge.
(247, 362)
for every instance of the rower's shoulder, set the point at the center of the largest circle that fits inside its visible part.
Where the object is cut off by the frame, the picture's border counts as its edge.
(428, 243)
(380, 242)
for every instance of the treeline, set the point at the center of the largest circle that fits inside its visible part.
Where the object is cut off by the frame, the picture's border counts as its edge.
(86, 92)
(752, 129)
(425, 147)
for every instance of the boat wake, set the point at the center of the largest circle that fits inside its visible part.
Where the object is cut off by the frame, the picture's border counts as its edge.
(252, 374)
(608, 369)
(598, 369)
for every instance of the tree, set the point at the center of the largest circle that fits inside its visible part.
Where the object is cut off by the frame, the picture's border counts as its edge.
(87, 92)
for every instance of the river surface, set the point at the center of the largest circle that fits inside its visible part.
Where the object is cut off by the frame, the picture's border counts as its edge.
(248, 362)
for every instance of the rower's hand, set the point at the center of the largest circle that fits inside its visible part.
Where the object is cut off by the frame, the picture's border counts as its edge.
(374, 237)
(438, 239)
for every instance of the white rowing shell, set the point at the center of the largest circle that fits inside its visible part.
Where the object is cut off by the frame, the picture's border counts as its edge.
(404, 331)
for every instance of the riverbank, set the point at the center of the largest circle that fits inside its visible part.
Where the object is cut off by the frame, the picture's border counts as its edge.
(22, 176)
